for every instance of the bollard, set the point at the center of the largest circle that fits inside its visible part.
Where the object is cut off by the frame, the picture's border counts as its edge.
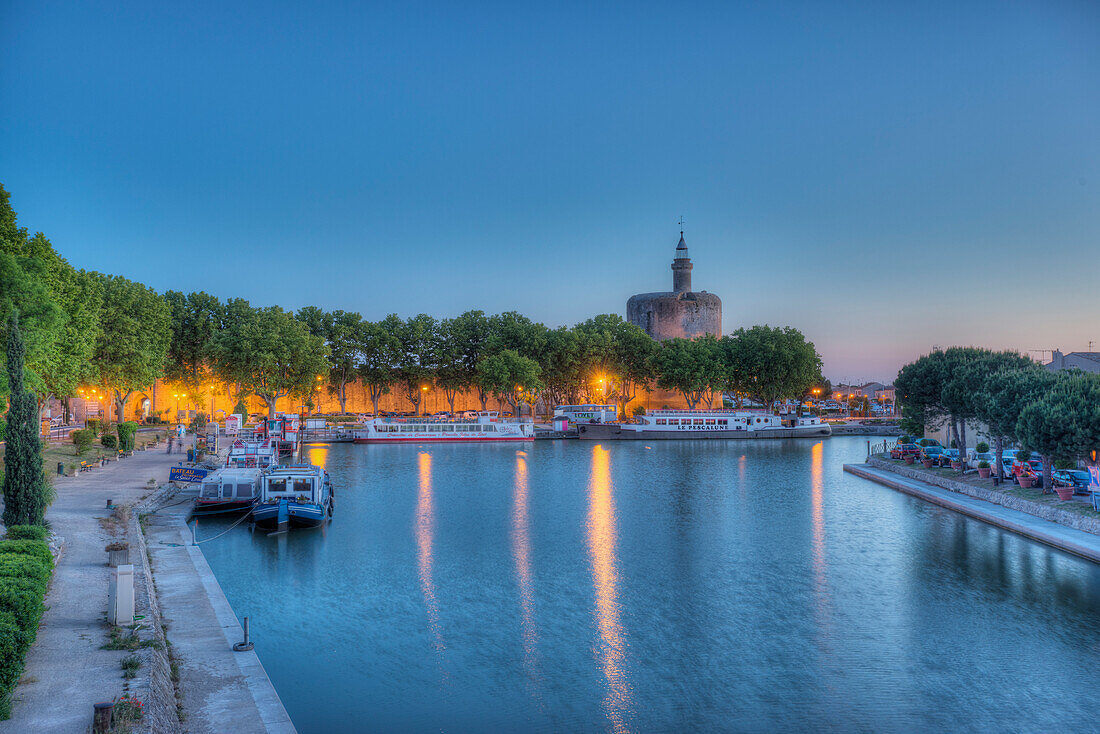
(120, 595)
(60, 468)
(102, 719)
(109, 504)
(247, 644)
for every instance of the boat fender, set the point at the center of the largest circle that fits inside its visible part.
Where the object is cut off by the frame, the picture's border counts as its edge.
(582, 429)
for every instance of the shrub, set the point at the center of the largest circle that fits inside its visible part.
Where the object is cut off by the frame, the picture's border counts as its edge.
(82, 439)
(21, 566)
(34, 548)
(983, 464)
(1065, 464)
(109, 441)
(27, 532)
(126, 433)
(92, 424)
(1023, 456)
(25, 605)
(639, 410)
(982, 447)
(905, 438)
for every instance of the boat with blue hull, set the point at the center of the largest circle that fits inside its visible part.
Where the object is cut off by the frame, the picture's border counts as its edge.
(297, 496)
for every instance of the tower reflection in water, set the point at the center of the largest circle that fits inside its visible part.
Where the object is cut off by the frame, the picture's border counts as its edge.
(521, 552)
(605, 578)
(425, 533)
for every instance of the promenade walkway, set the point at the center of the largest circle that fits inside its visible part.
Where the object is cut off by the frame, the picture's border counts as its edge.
(66, 671)
(1078, 542)
(222, 690)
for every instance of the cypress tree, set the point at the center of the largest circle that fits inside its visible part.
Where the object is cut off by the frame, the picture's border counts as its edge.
(25, 491)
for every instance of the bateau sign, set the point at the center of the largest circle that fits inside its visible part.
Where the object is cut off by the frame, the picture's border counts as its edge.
(186, 474)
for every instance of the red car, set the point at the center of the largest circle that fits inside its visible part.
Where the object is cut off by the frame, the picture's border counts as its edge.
(901, 450)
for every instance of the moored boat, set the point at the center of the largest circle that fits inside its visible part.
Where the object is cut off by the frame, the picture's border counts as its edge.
(228, 490)
(296, 496)
(259, 454)
(418, 430)
(725, 424)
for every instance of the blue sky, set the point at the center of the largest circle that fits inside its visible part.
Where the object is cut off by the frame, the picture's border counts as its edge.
(884, 176)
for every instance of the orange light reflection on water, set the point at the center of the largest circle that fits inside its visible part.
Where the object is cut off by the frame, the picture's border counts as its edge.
(318, 454)
(605, 578)
(425, 534)
(521, 552)
(817, 518)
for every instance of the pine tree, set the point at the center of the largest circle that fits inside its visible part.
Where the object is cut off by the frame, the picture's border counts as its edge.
(25, 490)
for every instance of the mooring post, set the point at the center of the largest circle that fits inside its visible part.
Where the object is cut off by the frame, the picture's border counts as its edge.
(247, 644)
(102, 719)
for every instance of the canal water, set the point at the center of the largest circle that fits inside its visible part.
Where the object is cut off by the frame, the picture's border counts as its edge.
(676, 586)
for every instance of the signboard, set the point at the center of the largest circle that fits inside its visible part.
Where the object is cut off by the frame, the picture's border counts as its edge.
(186, 474)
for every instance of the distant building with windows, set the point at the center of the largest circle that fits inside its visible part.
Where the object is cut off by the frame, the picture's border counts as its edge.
(1084, 361)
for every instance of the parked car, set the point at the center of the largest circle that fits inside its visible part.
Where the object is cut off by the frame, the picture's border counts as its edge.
(948, 456)
(1033, 468)
(932, 452)
(1076, 478)
(980, 456)
(901, 450)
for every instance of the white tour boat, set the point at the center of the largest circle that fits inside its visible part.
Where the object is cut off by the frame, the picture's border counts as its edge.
(661, 424)
(245, 454)
(417, 430)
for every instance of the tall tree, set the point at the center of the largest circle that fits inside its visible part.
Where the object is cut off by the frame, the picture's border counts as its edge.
(1064, 423)
(195, 319)
(268, 352)
(26, 493)
(770, 363)
(379, 352)
(133, 346)
(563, 367)
(686, 365)
(622, 352)
(510, 377)
(451, 374)
(1002, 398)
(418, 356)
(472, 332)
(343, 334)
(41, 321)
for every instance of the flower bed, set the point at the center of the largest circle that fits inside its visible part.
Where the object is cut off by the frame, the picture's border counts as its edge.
(26, 566)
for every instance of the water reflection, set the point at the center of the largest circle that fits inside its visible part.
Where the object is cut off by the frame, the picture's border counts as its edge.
(521, 552)
(318, 454)
(425, 533)
(605, 578)
(817, 514)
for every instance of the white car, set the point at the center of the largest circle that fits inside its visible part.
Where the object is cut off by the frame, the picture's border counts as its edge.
(987, 456)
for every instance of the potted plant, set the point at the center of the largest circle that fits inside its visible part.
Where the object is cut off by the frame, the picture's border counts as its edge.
(909, 458)
(984, 469)
(928, 461)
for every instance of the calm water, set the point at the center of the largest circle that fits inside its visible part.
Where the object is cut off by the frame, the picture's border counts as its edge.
(733, 586)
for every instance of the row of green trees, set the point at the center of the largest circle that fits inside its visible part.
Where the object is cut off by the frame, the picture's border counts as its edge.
(1054, 414)
(79, 327)
(85, 328)
(507, 357)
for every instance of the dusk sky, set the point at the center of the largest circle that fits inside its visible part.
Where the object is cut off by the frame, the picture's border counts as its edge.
(883, 176)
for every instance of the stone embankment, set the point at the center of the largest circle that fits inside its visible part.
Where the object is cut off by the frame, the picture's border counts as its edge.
(997, 496)
(859, 429)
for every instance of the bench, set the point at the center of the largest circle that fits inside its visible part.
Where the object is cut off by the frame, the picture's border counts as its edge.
(84, 466)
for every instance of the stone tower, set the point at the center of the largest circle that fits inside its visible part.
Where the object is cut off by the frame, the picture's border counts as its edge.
(681, 312)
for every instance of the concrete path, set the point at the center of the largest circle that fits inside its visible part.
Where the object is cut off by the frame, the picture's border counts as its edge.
(66, 672)
(222, 690)
(1071, 540)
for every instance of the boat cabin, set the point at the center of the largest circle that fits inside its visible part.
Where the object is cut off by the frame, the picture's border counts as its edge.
(230, 487)
(301, 482)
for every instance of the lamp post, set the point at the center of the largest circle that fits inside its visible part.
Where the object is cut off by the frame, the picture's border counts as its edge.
(211, 402)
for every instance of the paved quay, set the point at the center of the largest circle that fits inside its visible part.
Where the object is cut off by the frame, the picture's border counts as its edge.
(66, 671)
(1078, 542)
(222, 690)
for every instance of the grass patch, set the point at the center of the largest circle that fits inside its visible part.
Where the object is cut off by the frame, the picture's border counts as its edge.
(126, 638)
(130, 665)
